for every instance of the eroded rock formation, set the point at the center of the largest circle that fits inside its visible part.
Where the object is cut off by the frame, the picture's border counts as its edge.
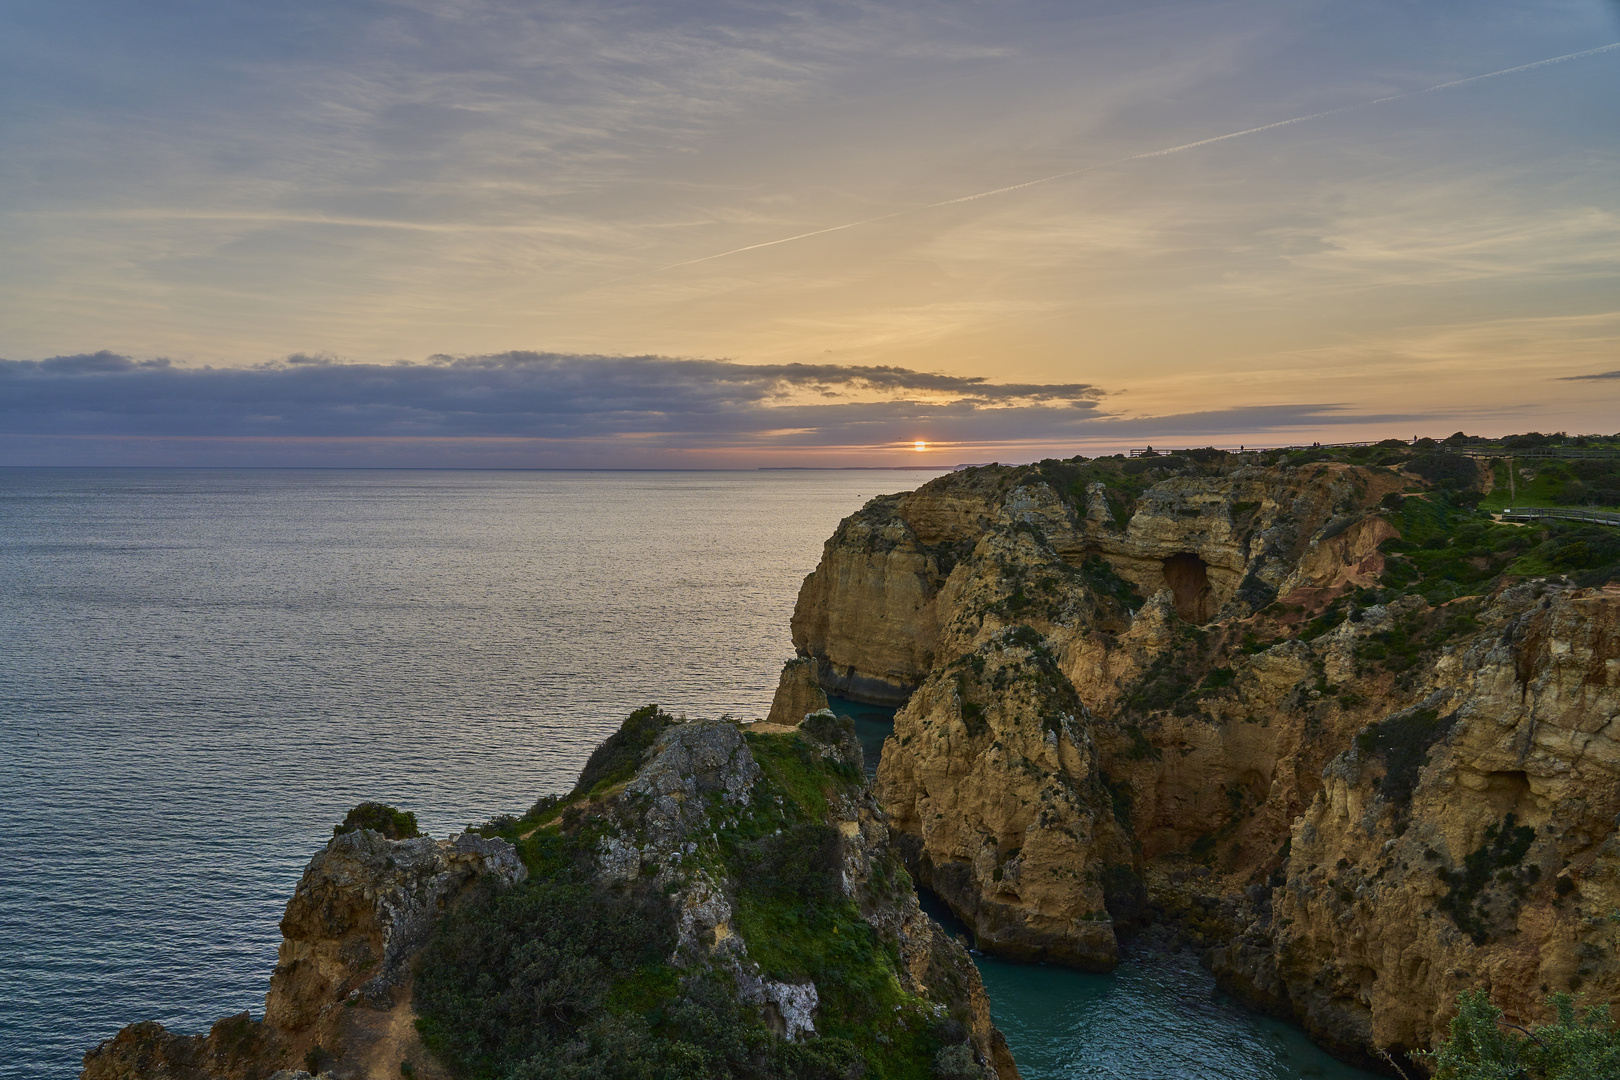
(1199, 705)
(342, 983)
(688, 827)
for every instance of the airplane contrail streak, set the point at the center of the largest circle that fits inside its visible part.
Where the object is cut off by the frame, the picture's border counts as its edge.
(1454, 83)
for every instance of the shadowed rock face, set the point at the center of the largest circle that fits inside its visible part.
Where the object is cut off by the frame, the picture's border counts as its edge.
(1187, 578)
(1376, 927)
(798, 693)
(1073, 759)
(360, 913)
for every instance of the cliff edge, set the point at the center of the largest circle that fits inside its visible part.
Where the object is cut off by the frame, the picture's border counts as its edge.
(1320, 718)
(708, 901)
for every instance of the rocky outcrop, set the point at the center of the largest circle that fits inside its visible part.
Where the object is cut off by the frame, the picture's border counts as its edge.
(867, 613)
(798, 693)
(696, 831)
(1165, 706)
(1002, 799)
(362, 910)
(1496, 864)
(665, 832)
(878, 610)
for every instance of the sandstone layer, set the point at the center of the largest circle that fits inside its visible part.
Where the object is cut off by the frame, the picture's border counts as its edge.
(341, 986)
(1182, 703)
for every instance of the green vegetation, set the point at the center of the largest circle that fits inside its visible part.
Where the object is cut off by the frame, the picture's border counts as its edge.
(1483, 1047)
(1550, 482)
(380, 817)
(565, 977)
(1497, 859)
(618, 757)
(1103, 581)
(1399, 647)
(1180, 677)
(510, 976)
(1449, 549)
(1403, 741)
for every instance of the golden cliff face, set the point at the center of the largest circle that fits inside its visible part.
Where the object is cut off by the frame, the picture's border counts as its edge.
(1496, 864)
(342, 983)
(995, 777)
(1123, 719)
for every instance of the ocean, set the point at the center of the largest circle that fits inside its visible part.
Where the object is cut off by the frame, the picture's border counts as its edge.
(201, 670)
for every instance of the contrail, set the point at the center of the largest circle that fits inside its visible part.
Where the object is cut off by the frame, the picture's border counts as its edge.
(1454, 83)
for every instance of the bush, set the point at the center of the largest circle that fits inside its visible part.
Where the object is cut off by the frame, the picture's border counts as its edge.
(1482, 1047)
(1101, 578)
(508, 976)
(1504, 848)
(803, 861)
(379, 817)
(620, 754)
(1404, 743)
(956, 1063)
(1452, 470)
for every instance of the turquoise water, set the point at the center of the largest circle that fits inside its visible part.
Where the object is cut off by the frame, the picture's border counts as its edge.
(201, 670)
(1156, 1017)
(873, 723)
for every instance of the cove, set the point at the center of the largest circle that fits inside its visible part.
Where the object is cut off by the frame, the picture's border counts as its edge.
(1158, 1016)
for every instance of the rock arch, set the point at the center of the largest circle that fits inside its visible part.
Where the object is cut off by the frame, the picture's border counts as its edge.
(1187, 576)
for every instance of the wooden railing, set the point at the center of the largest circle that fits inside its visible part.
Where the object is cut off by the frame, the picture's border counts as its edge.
(1567, 453)
(1597, 517)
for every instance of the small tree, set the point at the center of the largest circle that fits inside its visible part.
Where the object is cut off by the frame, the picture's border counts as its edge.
(1484, 1047)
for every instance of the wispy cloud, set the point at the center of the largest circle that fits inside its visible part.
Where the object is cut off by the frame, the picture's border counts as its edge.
(1106, 191)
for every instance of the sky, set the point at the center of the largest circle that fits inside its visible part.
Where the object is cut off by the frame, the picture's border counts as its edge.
(736, 234)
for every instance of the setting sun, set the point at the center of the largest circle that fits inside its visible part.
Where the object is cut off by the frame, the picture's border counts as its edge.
(919, 446)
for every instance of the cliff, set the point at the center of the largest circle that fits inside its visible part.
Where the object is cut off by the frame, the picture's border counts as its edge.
(1305, 714)
(710, 900)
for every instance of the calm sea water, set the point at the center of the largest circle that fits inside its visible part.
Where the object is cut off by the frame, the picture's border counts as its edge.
(200, 671)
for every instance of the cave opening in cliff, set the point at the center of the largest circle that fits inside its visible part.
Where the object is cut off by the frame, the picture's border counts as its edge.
(1187, 576)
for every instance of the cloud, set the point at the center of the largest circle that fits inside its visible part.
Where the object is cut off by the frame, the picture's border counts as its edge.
(521, 409)
(520, 395)
(1599, 375)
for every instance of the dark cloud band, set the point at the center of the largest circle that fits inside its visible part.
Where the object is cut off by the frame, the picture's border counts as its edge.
(520, 394)
(565, 410)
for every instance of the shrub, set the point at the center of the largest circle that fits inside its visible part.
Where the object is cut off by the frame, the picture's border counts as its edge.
(1483, 1047)
(1404, 742)
(620, 754)
(1499, 856)
(803, 861)
(379, 817)
(1104, 581)
(1453, 470)
(508, 975)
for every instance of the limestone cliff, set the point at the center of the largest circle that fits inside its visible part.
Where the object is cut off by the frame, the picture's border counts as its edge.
(798, 694)
(342, 983)
(710, 901)
(1496, 865)
(1176, 694)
